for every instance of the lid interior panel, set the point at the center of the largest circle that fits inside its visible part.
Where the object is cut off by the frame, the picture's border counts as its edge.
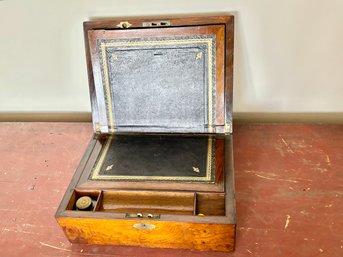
(163, 83)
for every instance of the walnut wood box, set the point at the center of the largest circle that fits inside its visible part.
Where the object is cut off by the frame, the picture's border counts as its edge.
(159, 169)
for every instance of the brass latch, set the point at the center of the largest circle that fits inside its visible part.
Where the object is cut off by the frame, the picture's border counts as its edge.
(142, 215)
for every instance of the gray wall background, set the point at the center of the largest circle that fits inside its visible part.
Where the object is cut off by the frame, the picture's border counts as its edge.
(288, 54)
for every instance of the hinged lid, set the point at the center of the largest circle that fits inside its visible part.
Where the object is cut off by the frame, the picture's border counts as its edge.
(172, 78)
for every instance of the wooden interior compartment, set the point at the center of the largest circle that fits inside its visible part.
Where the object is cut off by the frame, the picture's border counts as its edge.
(95, 195)
(210, 204)
(154, 202)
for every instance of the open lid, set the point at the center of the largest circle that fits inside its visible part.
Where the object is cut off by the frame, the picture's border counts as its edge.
(172, 78)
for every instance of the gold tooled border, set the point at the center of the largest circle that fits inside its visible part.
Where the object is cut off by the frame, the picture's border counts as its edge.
(96, 176)
(208, 41)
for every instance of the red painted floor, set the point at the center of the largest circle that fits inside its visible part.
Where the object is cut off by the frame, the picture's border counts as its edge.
(289, 188)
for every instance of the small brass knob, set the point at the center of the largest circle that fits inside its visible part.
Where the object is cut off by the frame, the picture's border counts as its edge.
(124, 25)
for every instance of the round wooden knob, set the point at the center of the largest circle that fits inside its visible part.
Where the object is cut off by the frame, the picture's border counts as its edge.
(84, 203)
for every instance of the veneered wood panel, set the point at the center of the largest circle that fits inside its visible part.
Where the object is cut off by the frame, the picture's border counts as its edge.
(229, 54)
(220, 77)
(147, 201)
(214, 237)
(210, 204)
(137, 22)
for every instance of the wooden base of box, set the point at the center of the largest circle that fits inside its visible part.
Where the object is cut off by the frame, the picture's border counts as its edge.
(197, 220)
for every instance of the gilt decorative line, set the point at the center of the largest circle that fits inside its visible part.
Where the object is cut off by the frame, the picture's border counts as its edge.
(107, 84)
(209, 157)
(210, 129)
(102, 158)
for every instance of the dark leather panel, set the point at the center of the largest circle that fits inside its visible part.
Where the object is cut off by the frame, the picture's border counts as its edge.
(183, 158)
(162, 87)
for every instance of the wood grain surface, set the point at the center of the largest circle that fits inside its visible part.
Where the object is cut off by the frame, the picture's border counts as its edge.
(214, 237)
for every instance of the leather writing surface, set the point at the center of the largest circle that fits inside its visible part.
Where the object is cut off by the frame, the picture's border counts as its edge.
(161, 84)
(161, 158)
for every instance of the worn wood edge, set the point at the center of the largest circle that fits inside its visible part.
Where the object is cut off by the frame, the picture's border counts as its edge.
(193, 15)
(239, 117)
(230, 199)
